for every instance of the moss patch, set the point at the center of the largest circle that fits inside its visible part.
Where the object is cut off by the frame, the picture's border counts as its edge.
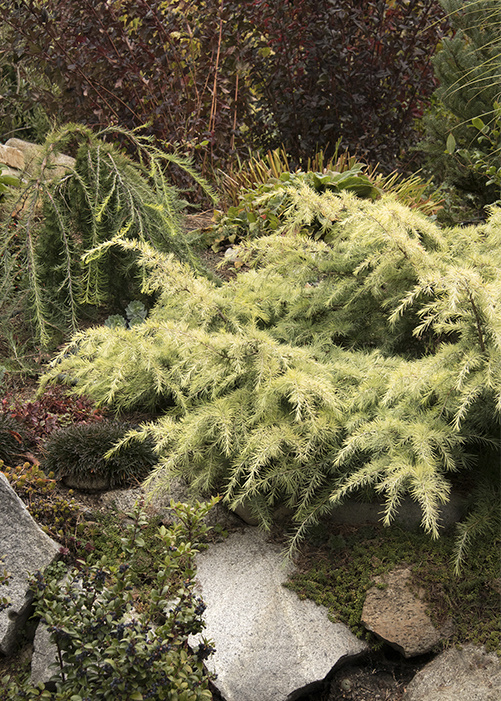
(337, 568)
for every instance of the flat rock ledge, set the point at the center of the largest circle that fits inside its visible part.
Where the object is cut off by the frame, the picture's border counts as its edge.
(270, 645)
(157, 500)
(395, 613)
(25, 549)
(469, 674)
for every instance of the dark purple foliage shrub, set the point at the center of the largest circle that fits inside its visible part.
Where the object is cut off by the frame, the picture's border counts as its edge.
(351, 70)
(218, 76)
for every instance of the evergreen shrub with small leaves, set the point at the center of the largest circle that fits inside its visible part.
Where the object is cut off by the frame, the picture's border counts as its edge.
(461, 142)
(484, 157)
(369, 358)
(108, 650)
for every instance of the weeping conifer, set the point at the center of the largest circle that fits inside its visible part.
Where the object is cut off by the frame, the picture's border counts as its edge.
(371, 361)
(106, 194)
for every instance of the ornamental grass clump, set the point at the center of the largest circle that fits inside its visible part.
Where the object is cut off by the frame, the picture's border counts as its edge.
(263, 208)
(76, 456)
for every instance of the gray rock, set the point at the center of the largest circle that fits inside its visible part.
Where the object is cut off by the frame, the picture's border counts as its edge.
(59, 163)
(409, 515)
(269, 644)
(157, 497)
(243, 512)
(470, 674)
(123, 500)
(398, 615)
(281, 514)
(44, 657)
(26, 549)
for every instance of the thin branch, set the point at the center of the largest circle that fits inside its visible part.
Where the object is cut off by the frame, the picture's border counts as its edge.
(478, 322)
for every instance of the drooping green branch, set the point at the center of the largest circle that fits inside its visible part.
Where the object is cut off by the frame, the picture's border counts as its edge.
(325, 369)
(62, 213)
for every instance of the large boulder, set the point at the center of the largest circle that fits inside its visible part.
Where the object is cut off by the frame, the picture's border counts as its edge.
(355, 512)
(408, 515)
(269, 644)
(30, 154)
(398, 615)
(25, 549)
(469, 674)
(11, 157)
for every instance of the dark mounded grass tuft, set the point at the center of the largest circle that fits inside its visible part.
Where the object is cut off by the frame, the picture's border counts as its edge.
(79, 450)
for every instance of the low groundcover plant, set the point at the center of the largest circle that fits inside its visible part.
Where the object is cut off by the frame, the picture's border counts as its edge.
(105, 648)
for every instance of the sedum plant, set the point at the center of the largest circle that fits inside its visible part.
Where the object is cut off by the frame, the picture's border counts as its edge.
(367, 359)
(108, 650)
(135, 313)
